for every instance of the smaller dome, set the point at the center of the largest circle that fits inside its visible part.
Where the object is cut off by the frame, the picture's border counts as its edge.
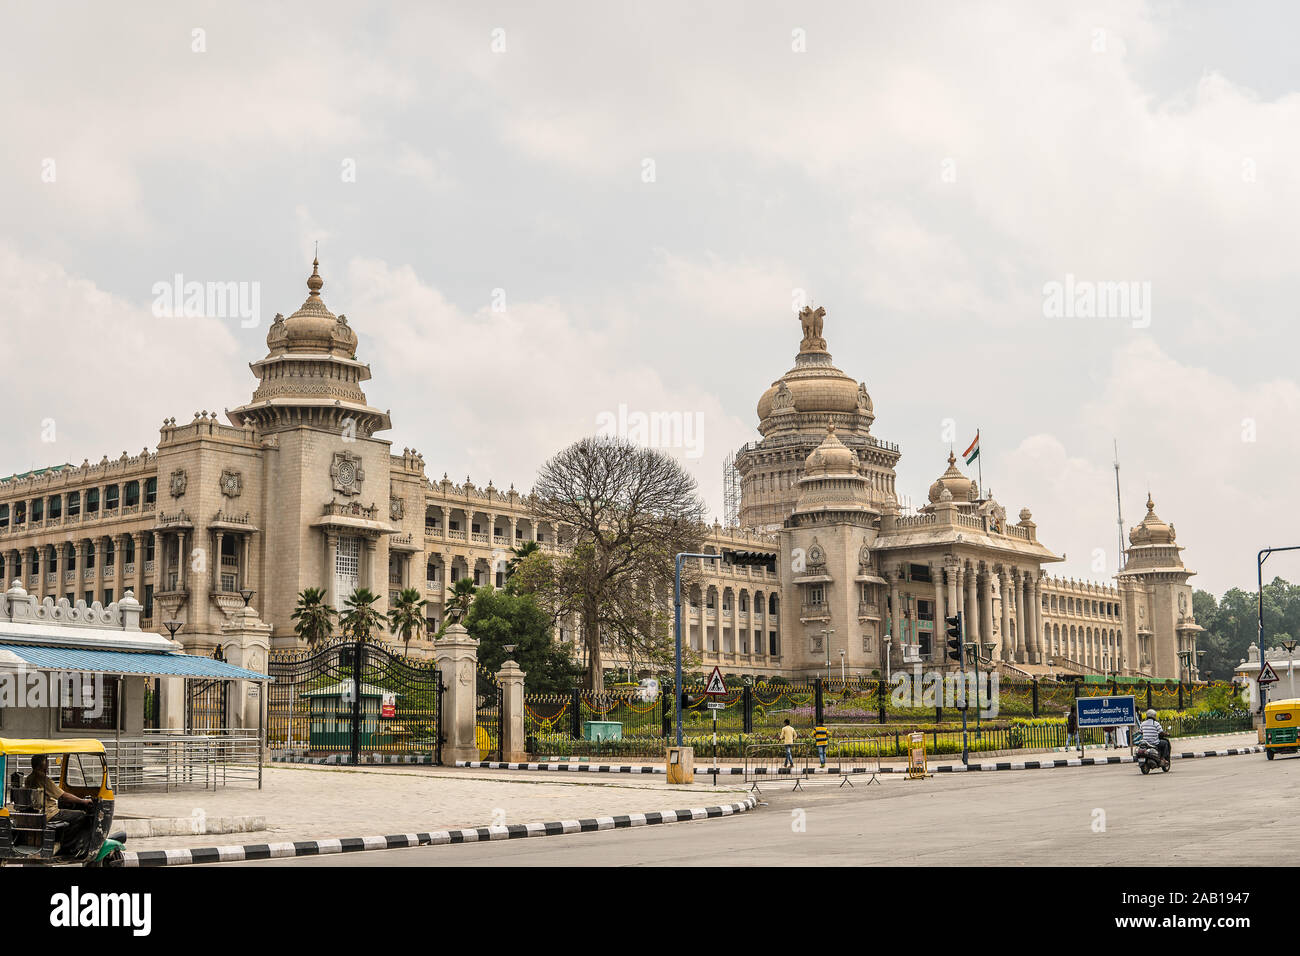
(832, 455)
(1152, 530)
(313, 328)
(958, 486)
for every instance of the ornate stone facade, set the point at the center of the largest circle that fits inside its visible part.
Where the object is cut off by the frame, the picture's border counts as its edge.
(322, 502)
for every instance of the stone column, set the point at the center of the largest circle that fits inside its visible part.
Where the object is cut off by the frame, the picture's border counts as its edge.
(247, 641)
(1036, 615)
(1022, 622)
(513, 745)
(159, 561)
(183, 559)
(953, 604)
(972, 616)
(986, 607)
(216, 561)
(79, 579)
(137, 541)
(119, 565)
(895, 612)
(101, 549)
(457, 656)
(446, 522)
(940, 611)
(331, 564)
(1004, 586)
(514, 530)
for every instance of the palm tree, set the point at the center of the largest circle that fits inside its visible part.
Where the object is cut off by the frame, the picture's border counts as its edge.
(361, 618)
(407, 615)
(462, 596)
(521, 553)
(313, 618)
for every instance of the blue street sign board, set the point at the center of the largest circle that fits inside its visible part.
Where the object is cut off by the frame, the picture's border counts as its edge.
(1107, 711)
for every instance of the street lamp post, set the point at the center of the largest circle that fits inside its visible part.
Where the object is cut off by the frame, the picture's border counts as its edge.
(1259, 581)
(677, 616)
(826, 644)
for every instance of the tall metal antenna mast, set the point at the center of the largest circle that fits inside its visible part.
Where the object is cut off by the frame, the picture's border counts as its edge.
(1119, 512)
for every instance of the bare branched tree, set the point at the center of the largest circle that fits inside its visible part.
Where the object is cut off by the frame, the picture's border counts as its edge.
(626, 510)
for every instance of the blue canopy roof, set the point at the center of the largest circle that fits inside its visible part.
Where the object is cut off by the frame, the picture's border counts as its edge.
(128, 662)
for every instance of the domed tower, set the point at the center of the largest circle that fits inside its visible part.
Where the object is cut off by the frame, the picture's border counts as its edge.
(793, 415)
(963, 491)
(328, 473)
(828, 544)
(311, 375)
(1160, 628)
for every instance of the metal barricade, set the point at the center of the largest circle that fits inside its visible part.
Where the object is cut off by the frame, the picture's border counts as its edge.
(167, 760)
(771, 761)
(847, 757)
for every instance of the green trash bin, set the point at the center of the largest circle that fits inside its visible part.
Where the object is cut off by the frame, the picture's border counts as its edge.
(602, 730)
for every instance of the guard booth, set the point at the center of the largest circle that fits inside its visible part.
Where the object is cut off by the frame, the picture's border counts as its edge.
(330, 715)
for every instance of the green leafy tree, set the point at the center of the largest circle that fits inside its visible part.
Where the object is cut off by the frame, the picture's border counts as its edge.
(501, 618)
(406, 616)
(362, 618)
(521, 553)
(313, 619)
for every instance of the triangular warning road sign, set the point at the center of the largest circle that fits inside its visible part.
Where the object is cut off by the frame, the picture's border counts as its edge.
(717, 686)
(1266, 674)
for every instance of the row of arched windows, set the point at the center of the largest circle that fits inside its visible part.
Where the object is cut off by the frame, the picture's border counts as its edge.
(73, 504)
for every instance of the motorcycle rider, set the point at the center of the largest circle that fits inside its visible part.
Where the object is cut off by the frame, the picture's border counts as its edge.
(1151, 733)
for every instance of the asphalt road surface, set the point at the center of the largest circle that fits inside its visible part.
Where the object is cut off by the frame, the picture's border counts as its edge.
(1219, 810)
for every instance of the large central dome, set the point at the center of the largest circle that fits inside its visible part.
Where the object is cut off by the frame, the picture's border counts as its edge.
(794, 417)
(815, 393)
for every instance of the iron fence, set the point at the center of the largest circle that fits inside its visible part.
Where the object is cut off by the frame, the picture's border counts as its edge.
(557, 724)
(353, 697)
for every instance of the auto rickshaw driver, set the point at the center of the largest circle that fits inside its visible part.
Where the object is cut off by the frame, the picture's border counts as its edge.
(57, 804)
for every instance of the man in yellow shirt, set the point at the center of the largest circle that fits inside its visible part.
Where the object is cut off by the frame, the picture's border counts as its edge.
(787, 738)
(822, 738)
(52, 795)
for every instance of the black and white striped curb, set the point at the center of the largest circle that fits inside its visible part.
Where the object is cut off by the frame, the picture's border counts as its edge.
(834, 769)
(345, 760)
(272, 851)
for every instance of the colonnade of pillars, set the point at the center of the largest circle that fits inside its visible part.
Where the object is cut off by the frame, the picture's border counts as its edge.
(968, 586)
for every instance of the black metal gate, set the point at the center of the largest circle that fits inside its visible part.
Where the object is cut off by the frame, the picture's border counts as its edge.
(205, 706)
(349, 698)
(488, 706)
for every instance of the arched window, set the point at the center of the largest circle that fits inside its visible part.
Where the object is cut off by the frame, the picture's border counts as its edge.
(92, 501)
(131, 497)
(110, 497)
(150, 491)
(74, 503)
(38, 509)
(4, 516)
(771, 604)
(20, 512)
(54, 507)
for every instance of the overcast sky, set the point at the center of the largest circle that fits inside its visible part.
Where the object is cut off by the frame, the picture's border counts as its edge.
(646, 188)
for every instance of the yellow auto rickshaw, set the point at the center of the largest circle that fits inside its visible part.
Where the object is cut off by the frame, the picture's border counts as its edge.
(1281, 726)
(26, 835)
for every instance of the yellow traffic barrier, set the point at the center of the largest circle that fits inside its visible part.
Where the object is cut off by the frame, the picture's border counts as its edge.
(916, 768)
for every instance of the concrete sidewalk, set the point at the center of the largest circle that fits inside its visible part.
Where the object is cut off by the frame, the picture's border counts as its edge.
(309, 803)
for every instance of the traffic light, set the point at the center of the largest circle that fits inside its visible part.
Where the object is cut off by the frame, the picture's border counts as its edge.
(955, 638)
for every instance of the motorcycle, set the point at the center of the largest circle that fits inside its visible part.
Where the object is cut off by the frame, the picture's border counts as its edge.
(1147, 757)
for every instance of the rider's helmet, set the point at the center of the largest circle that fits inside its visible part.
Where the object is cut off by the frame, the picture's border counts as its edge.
(1151, 713)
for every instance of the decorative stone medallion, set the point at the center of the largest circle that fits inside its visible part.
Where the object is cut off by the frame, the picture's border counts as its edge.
(179, 480)
(396, 508)
(347, 473)
(816, 556)
(232, 484)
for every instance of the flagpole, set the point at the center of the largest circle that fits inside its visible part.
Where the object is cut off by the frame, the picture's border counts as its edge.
(980, 458)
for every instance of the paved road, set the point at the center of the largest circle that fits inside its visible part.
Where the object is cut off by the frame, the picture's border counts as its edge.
(1204, 811)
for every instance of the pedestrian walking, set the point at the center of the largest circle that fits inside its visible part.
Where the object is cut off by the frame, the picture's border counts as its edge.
(1071, 728)
(821, 737)
(787, 738)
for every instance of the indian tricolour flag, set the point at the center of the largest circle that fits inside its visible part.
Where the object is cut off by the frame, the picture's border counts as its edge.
(973, 452)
